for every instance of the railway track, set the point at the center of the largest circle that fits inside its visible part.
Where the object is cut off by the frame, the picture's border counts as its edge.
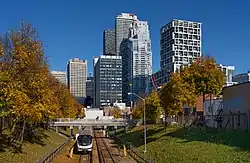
(85, 158)
(105, 156)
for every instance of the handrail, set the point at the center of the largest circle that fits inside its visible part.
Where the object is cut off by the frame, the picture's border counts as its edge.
(49, 157)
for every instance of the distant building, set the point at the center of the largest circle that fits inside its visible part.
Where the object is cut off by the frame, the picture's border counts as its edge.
(229, 72)
(77, 77)
(109, 42)
(60, 76)
(242, 78)
(122, 24)
(108, 80)
(137, 60)
(89, 101)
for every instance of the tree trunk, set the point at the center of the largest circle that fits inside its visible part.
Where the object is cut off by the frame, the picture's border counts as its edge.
(22, 133)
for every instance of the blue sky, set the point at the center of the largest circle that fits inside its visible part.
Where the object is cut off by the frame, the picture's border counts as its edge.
(74, 28)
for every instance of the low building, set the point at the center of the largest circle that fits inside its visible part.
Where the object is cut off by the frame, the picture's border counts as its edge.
(60, 76)
(236, 110)
(229, 72)
(242, 78)
(93, 113)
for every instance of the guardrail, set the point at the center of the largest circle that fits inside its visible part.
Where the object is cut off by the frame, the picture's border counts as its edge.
(49, 157)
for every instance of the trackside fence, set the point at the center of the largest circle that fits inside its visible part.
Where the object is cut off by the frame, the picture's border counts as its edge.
(51, 156)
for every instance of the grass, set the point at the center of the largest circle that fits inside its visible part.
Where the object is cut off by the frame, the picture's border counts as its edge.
(187, 145)
(33, 148)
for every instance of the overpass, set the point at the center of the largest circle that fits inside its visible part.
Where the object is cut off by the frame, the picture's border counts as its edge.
(90, 122)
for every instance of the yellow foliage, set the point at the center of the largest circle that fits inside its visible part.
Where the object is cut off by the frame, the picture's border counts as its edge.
(29, 90)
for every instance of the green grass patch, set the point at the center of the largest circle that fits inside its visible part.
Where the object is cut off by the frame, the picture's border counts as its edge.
(175, 144)
(33, 149)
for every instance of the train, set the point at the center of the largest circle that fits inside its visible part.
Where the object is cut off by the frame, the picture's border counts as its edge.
(84, 140)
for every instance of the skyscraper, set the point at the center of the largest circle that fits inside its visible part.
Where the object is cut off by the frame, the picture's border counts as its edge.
(108, 80)
(77, 76)
(180, 45)
(136, 60)
(109, 42)
(122, 24)
(60, 76)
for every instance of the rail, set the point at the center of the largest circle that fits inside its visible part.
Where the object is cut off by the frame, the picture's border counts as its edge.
(49, 157)
(135, 153)
(100, 151)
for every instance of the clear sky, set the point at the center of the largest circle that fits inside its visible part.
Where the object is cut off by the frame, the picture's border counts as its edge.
(74, 28)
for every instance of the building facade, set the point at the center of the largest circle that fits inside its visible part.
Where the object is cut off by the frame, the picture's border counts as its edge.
(229, 72)
(122, 24)
(89, 101)
(109, 42)
(60, 76)
(137, 60)
(108, 80)
(77, 77)
(242, 78)
(180, 45)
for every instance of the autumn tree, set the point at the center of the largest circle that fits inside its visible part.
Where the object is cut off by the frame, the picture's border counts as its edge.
(206, 76)
(176, 93)
(137, 112)
(28, 92)
(200, 78)
(153, 107)
(116, 112)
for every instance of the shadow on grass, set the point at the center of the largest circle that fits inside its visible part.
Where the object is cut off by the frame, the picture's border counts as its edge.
(37, 136)
(236, 139)
(3, 142)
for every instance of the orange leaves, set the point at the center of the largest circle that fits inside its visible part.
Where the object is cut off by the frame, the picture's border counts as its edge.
(201, 77)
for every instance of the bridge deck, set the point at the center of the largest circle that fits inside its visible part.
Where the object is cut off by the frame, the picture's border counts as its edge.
(90, 123)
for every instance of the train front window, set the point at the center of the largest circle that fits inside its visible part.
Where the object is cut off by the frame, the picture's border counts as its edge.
(84, 140)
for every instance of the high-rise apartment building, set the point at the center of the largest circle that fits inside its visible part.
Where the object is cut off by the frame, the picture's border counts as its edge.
(122, 24)
(108, 80)
(180, 45)
(77, 77)
(60, 76)
(109, 42)
(136, 60)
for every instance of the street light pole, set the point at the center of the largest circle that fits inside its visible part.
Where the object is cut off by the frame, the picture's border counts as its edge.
(145, 129)
(144, 119)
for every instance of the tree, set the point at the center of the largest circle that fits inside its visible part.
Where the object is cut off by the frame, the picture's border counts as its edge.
(28, 92)
(137, 112)
(206, 76)
(153, 107)
(200, 78)
(176, 93)
(117, 113)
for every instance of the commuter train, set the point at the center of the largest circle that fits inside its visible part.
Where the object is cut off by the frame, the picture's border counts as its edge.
(84, 140)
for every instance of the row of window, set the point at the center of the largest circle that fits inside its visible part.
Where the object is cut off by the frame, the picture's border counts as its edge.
(187, 30)
(182, 23)
(187, 48)
(187, 36)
